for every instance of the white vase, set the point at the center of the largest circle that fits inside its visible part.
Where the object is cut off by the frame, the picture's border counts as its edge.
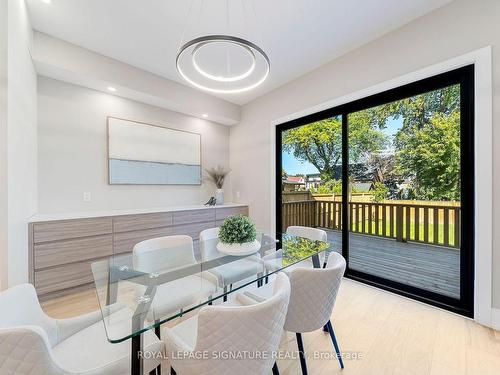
(239, 249)
(219, 196)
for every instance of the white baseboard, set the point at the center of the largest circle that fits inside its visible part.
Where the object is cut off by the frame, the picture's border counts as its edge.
(495, 318)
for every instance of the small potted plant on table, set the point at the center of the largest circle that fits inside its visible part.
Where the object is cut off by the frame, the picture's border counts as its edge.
(238, 236)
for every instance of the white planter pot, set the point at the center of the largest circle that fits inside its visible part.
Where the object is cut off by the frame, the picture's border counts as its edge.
(219, 196)
(237, 249)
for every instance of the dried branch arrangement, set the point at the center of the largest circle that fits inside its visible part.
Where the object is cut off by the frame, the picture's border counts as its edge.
(217, 175)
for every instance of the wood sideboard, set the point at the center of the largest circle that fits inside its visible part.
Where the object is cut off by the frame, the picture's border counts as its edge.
(62, 250)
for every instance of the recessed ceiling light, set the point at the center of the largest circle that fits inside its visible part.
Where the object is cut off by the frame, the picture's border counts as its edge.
(205, 115)
(46, 1)
(112, 89)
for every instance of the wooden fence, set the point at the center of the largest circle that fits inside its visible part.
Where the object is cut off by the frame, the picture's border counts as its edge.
(432, 224)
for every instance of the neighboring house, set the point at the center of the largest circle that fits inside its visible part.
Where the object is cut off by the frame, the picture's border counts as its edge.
(362, 187)
(293, 183)
(313, 181)
(362, 177)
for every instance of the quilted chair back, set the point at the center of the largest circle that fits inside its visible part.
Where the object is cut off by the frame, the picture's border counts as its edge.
(238, 331)
(208, 250)
(19, 307)
(155, 254)
(313, 295)
(312, 234)
(26, 334)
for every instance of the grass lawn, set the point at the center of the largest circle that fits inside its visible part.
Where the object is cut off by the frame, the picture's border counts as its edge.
(440, 237)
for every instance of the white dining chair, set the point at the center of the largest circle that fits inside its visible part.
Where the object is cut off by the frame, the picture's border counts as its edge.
(228, 274)
(273, 258)
(170, 253)
(313, 234)
(33, 343)
(312, 298)
(232, 328)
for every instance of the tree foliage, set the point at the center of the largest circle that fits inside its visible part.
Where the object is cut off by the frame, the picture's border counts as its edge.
(428, 144)
(426, 149)
(430, 158)
(320, 143)
(329, 187)
(379, 192)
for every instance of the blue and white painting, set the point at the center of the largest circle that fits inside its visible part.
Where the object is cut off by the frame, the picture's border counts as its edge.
(143, 154)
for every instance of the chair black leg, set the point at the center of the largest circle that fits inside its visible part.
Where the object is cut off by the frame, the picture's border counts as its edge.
(335, 344)
(172, 371)
(276, 371)
(224, 299)
(302, 355)
(157, 371)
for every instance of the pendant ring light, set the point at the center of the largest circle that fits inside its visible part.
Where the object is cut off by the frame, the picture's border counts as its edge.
(189, 68)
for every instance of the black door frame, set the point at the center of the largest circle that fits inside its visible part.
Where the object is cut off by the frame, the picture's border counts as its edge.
(463, 76)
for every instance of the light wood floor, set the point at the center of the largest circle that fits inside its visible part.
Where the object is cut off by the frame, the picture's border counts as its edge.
(392, 334)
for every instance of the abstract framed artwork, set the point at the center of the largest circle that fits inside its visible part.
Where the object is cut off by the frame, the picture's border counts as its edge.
(146, 154)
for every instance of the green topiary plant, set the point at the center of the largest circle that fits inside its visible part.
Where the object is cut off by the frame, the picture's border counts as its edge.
(237, 229)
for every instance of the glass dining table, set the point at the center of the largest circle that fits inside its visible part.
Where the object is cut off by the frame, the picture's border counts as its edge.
(140, 292)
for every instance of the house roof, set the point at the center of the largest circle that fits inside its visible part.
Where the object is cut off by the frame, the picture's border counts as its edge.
(362, 187)
(295, 179)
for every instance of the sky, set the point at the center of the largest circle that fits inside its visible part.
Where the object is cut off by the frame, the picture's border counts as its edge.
(293, 166)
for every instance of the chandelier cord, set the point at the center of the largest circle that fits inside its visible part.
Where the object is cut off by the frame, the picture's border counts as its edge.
(256, 22)
(192, 47)
(228, 60)
(183, 34)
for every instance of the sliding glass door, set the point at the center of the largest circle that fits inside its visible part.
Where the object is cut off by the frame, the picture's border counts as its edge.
(390, 178)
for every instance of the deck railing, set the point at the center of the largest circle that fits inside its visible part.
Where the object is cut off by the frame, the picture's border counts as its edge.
(432, 224)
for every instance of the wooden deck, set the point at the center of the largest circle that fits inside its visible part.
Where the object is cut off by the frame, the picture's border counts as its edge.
(430, 267)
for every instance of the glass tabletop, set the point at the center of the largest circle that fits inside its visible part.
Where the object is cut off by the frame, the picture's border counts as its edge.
(140, 291)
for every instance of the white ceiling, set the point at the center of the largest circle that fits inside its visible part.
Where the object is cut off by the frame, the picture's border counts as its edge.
(297, 35)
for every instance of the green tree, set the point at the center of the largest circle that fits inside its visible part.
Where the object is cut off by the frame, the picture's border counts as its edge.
(428, 144)
(430, 157)
(426, 148)
(330, 187)
(320, 143)
(379, 192)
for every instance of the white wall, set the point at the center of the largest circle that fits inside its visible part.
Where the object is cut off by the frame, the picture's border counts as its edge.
(72, 151)
(67, 62)
(3, 145)
(21, 140)
(453, 30)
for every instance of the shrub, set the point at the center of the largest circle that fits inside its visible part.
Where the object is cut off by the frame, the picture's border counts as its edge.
(237, 229)
(379, 192)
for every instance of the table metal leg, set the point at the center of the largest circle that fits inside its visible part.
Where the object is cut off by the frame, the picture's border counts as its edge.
(112, 288)
(315, 259)
(136, 358)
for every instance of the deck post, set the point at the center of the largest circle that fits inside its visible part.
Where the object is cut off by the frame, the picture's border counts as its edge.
(399, 223)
